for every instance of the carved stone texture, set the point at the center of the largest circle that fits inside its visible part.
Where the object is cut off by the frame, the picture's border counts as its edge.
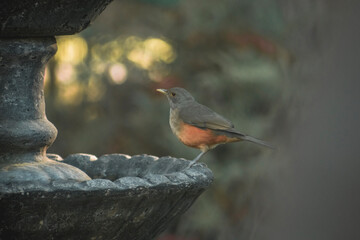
(25, 133)
(136, 198)
(30, 18)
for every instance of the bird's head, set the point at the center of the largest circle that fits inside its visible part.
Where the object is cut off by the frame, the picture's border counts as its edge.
(177, 96)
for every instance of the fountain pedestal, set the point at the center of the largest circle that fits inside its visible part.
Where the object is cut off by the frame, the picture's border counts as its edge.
(80, 197)
(25, 133)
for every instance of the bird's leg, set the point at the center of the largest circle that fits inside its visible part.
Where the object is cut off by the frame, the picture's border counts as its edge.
(197, 158)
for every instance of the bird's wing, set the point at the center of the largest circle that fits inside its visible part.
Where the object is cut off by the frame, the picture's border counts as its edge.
(203, 117)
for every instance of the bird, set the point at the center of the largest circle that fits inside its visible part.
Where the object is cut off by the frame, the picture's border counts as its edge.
(197, 126)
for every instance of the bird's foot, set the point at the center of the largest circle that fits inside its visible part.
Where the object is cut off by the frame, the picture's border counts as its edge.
(191, 163)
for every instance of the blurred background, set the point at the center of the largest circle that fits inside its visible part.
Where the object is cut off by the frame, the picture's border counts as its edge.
(252, 61)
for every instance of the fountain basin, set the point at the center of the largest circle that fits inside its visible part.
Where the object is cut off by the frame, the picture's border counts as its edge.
(126, 198)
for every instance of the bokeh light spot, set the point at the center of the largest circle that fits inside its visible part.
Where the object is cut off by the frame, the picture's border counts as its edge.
(144, 54)
(65, 73)
(118, 73)
(140, 58)
(71, 49)
(159, 49)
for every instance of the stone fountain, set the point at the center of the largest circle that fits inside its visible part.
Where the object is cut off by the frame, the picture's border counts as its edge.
(43, 196)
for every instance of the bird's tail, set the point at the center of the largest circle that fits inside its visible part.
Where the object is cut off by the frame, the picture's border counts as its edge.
(238, 136)
(257, 141)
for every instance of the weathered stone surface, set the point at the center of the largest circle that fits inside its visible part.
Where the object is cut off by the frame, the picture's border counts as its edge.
(23, 125)
(134, 204)
(55, 157)
(25, 132)
(34, 18)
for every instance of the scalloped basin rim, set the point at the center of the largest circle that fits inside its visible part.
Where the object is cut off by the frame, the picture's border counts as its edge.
(134, 174)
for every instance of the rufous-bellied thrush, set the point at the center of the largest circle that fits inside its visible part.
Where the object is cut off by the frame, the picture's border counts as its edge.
(198, 126)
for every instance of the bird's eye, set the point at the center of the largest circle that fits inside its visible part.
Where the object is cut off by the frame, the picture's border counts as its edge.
(173, 94)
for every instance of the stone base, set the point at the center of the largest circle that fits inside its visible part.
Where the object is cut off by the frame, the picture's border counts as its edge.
(42, 172)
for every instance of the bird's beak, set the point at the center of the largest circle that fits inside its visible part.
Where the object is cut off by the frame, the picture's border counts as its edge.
(163, 91)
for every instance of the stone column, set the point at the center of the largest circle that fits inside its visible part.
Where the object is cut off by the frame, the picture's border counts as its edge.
(25, 132)
(26, 44)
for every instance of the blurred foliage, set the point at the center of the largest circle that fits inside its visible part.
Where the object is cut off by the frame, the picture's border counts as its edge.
(100, 92)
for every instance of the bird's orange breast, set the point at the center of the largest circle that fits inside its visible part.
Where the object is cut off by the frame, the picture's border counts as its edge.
(201, 138)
